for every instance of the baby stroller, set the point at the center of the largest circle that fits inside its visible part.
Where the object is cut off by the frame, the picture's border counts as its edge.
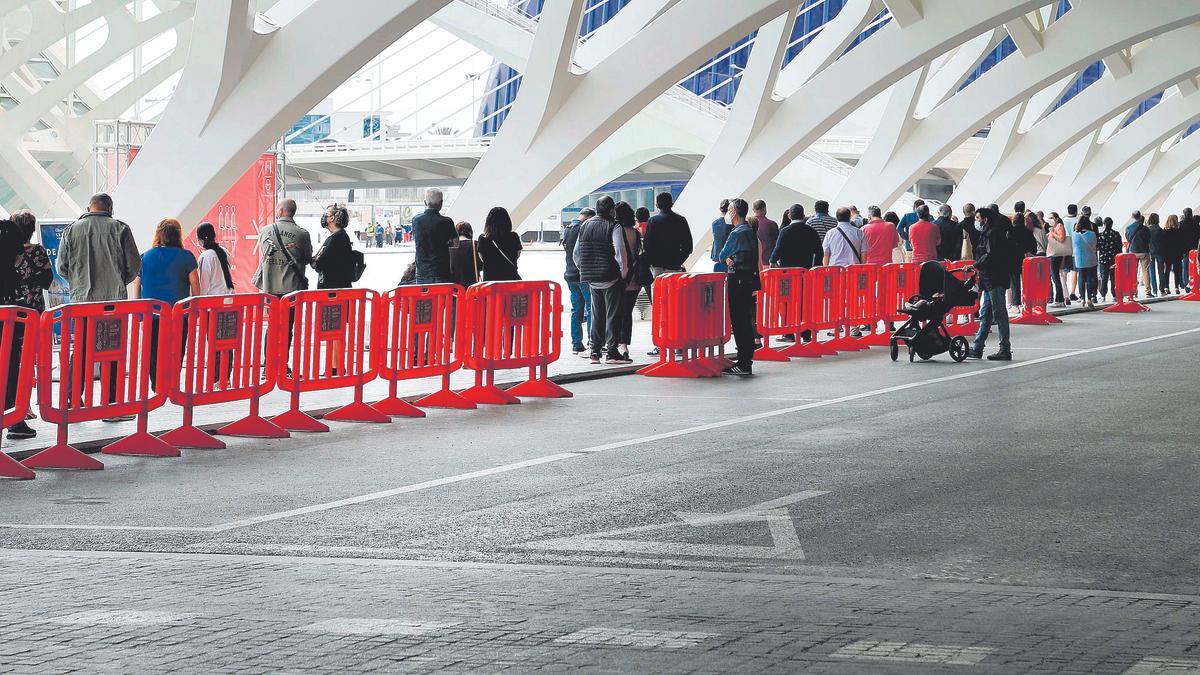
(925, 332)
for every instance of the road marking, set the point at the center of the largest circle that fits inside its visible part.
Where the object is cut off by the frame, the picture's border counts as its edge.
(631, 637)
(106, 617)
(695, 398)
(350, 626)
(913, 652)
(619, 444)
(785, 542)
(1158, 665)
(875, 393)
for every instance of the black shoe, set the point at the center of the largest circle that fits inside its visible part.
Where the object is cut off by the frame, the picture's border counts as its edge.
(653, 352)
(578, 349)
(20, 431)
(738, 370)
(975, 354)
(1000, 356)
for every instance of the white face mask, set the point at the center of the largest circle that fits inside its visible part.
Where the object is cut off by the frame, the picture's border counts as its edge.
(979, 225)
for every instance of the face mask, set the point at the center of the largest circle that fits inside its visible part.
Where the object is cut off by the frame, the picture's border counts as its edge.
(979, 226)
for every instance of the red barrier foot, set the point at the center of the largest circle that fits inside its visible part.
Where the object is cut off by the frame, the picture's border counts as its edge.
(446, 399)
(770, 354)
(669, 369)
(192, 438)
(12, 469)
(64, 457)
(489, 395)
(1128, 307)
(810, 350)
(141, 444)
(295, 420)
(539, 388)
(358, 412)
(398, 407)
(254, 427)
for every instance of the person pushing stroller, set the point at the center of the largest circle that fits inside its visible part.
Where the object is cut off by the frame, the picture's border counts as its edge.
(995, 264)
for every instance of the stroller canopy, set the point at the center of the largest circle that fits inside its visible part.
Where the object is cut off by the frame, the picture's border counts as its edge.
(935, 279)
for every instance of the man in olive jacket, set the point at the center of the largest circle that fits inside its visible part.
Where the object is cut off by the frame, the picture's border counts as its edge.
(98, 256)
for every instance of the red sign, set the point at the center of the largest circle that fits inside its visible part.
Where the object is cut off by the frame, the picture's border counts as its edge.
(245, 208)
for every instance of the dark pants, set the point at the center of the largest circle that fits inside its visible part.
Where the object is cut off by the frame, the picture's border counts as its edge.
(1165, 269)
(154, 350)
(14, 367)
(1087, 283)
(606, 318)
(1015, 289)
(580, 311)
(628, 304)
(1107, 281)
(1057, 266)
(742, 312)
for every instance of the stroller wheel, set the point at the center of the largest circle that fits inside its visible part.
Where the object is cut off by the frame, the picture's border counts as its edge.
(912, 354)
(959, 347)
(895, 351)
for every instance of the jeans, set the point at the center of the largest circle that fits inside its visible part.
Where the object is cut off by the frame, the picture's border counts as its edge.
(1166, 269)
(1057, 270)
(1086, 283)
(1155, 277)
(606, 318)
(742, 312)
(1015, 289)
(1107, 282)
(628, 304)
(993, 311)
(581, 311)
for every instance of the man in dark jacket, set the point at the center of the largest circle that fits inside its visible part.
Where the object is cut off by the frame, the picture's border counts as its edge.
(798, 245)
(741, 258)
(1190, 225)
(720, 231)
(580, 292)
(1025, 247)
(432, 234)
(600, 256)
(668, 241)
(994, 258)
(952, 235)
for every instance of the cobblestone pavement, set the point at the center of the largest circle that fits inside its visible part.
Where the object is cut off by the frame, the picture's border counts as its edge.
(129, 612)
(843, 515)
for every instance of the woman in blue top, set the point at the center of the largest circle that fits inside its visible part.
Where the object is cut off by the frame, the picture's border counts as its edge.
(1086, 260)
(169, 274)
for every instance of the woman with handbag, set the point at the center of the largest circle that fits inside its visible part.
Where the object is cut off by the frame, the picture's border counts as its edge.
(499, 247)
(627, 219)
(464, 257)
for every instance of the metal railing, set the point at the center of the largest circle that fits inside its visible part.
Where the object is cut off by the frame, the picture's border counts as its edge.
(389, 146)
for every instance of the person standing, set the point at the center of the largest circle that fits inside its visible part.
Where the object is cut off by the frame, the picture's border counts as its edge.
(970, 233)
(798, 244)
(1171, 251)
(170, 273)
(668, 241)
(464, 256)
(768, 230)
(906, 222)
(627, 219)
(31, 274)
(951, 245)
(1037, 227)
(1061, 250)
(924, 236)
(720, 232)
(1156, 254)
(581, 311)
(599, 254)
(1108, 247)
(335, 261)
(98, 256)
(1086, 261)
(286, 250)
(1139, 245)
(1025, 243)
(821, 221)
(432, 233)
(1189, 225)
(845, 244)
(741, 256)
(216, 278)
(499, 247)
(994, 258)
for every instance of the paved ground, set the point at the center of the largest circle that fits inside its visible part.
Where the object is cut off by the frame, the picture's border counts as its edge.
(846, 515)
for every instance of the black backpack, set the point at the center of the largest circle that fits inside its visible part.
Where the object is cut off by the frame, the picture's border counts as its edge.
(360, 264)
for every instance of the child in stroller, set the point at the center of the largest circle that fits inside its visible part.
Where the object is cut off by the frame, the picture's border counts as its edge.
(925, 332)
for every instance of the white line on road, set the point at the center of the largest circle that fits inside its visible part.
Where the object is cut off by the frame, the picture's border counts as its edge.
(620, 444)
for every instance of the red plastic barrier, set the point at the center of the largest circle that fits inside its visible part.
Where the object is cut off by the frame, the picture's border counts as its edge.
(860, 288)
(104, 369)
(1035, 292)
(690, 326)
(1193, 279)
(898, 282)
(329, 351)
(969, 316)
(824, 307)
(17, 325)
(1125, 286)
(780, 309)
(414, 338)
(511, 324)
(225, 358)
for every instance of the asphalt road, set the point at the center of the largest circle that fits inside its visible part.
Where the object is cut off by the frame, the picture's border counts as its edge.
(845, 514)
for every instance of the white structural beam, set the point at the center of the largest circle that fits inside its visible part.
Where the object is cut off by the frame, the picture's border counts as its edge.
(1025, 35)
(546, 148)
(944, 81)
(885, 172)
(1011, 157)
(1150, 180)
(881, 61)
(906, 12)
(1091, 166)
(835, 37)
(227, 112)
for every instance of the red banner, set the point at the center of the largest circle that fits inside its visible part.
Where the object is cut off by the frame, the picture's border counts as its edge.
(245, 208)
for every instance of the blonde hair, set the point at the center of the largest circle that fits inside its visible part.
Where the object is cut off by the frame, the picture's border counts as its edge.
(1172, 222)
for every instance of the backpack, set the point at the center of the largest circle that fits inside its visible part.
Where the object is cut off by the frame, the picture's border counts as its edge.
(360, 264)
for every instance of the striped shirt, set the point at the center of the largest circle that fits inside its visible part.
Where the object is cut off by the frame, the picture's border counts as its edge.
(822, 223)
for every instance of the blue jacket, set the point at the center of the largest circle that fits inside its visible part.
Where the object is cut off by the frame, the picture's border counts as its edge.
(720, 230)
(742, 248)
